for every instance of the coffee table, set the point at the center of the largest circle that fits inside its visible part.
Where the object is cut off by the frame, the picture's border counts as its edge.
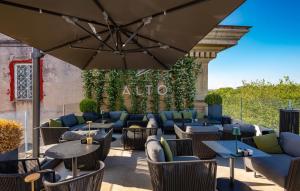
(71, 150)
(227, 149)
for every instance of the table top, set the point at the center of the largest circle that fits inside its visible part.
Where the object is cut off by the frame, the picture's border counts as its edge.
(226, 149)
(70, 149)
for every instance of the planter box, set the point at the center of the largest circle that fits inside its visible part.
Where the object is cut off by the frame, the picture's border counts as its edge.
(11, 167)
(215, 112)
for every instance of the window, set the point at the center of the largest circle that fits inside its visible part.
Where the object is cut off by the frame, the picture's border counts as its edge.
(23, 81)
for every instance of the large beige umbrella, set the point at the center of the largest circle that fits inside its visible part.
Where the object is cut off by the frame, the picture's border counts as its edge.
(113, 34)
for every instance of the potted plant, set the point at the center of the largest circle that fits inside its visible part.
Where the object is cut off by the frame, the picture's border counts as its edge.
(11, 134)
(88, 107)
(214, 102)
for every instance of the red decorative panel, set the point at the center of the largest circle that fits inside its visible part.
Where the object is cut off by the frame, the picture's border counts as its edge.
(12, 77)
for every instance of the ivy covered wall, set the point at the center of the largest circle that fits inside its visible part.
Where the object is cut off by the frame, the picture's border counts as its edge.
(152, 91)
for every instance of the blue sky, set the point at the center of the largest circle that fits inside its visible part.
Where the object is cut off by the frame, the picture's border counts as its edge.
(269, 51)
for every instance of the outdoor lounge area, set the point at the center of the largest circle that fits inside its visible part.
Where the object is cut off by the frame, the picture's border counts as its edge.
(114, 95)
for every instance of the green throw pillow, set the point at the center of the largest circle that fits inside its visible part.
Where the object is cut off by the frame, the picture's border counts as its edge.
(268, 143)
(163, 117)
(145, 118)
(80, 120)
(187, 115)
(200, 115)
(123, 116)
(177, 115)
(55, 123)
(167, 150)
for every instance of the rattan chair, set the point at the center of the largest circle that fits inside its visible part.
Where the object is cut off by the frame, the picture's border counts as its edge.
(91, 182)
(199, 149)
(90, 161)
(51, 135)
(14, 181)
(194, 175)
(135, 138)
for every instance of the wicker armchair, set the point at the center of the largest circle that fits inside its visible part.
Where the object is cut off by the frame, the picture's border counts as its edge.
(135, 138)
(15, 181)
(90, 161)
(91, 182)
(199, 149)
(194, 175)
(51, 135)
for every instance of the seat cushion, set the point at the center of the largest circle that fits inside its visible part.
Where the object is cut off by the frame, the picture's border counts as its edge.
(118, 124)
(76, 135)
(290, 143)
(69, 120)
(275, 168)
(115, 115)
(154, 149)
(185, 158)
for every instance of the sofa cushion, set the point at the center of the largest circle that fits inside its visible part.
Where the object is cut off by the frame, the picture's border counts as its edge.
(55, 123)
(185, 158)
(168, 124)
(169, 115)
(115, 115)
(275, 168)
(118, 124)
(154, 149)
(91, 116)
(123, 116)
(177, 115)
(163, 117)
(268, 143)
(80, 119)
(167, 150)
(69, 120)
(187, 115)
(290, 143)
(202, 129)
(200, 115)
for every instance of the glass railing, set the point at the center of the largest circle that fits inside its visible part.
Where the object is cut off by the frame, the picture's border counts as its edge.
(257, 111)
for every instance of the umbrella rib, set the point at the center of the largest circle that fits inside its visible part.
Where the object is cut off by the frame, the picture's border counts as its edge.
(156, 41)
(93, 35)
(95, 54)
(53, 13)
(182, 6)
(148, 52)
(99, 5)
(73, 41)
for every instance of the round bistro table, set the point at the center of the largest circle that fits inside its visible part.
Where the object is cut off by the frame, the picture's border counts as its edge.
(71, 150)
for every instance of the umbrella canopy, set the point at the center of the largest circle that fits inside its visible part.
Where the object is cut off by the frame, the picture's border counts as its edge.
(113, 34)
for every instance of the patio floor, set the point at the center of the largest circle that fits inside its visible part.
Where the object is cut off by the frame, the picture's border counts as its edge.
(128, 171)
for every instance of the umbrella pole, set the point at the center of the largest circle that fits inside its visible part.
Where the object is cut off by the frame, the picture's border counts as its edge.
(36, 57)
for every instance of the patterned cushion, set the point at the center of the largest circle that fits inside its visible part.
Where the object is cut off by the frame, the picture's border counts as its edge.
(123, 116)
(80, 120)
(187, 115)
(55, 123)
(177, 115)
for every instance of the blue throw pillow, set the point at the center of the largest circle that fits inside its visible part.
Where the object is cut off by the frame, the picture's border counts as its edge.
(69, 120)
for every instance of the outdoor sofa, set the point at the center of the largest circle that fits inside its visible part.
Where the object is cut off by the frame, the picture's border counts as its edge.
(186, 172)
(197, 135)
(283, 169)
(188, 117)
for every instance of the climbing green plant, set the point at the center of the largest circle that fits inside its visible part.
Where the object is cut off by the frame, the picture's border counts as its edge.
(154, 98)
(132, 84)
(87, 76)
(113, 89)
(99, 83)
(168, 98)
(143, 80)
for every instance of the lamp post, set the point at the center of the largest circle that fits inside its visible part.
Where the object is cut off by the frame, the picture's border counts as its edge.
(236, 131)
